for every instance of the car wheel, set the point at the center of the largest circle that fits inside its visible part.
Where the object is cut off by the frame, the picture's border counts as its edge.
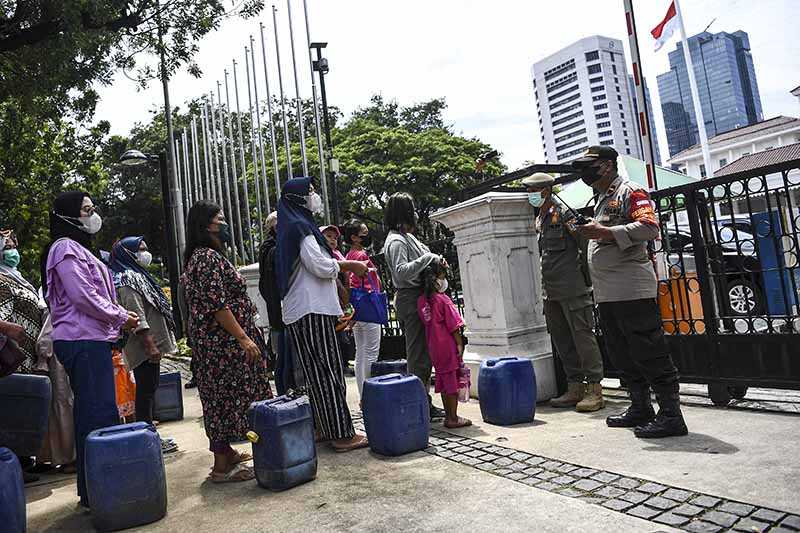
(744, 297)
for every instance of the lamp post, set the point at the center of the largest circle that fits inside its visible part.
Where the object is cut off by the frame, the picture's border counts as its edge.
(321, 67)
(133, 158)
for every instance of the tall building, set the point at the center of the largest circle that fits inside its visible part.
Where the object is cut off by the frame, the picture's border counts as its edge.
(653, 135)
(726, 81)
(583, 99)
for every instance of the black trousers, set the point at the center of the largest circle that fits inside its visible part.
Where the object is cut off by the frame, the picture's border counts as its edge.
(147, 377)
(634, 338)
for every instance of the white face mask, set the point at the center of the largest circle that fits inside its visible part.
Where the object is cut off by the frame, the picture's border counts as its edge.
(314, 203)
(91, 224)
(441, 285)
(144, 258)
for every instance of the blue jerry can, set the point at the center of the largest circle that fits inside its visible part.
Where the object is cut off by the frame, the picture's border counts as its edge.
(284, 451)
(507, 390)
(381, 368)
(169, 398)
(396, 414)
(12, 493)
(125, 477)
(24, 412)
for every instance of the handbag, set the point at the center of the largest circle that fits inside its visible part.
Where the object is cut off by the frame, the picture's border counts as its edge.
(370, 305)
(124, 386)
(11, 357)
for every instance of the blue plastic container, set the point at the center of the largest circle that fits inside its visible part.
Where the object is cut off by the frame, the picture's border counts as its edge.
(507, 390)
(125, 477)
(396, 414)
(24, 412)
(381, 368)
(284, 452)
(12, 493)
(169, 398)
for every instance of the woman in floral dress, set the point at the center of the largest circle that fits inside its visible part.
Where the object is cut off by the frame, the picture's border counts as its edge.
(227, 348)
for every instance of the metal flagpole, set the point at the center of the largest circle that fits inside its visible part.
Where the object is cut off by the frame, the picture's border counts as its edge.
(227, 184)
(289, 172)
(257, 129)
(318, 130)
(273, 140)
(253, 149)
(198, 190)
(234, 172)
(176, 143)
(187, 171)
(216, 184)
(245, 188)
(299, 102)
(206, 163)
(701, 123)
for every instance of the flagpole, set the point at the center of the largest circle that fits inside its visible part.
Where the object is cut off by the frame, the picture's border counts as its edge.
(254, 149)
(701, 123)
(242, 161)
(287, 142)
(638, 80)
(273, 141)
(299, 101)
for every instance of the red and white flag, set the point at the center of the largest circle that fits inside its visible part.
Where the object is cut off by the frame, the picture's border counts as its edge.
(666, 27)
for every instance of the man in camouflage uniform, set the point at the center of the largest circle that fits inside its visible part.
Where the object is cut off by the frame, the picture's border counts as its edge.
(567, 291)
(625, 289)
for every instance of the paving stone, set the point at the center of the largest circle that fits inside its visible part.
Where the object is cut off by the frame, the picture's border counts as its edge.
(489, 456)
(546, 485)
(505, 452)
(583, 472)
(532, 481)
(593, 500)
(458, 457)
(618, 505)
(451, 445)
(437, 441)
(516, 476)
(705, 501)
(652, 488)
(587, 485)
(671, 519)
(563, 480)
(533, 470)
(791, 522)
(445, 453)
(605, 477)
(517, 467)
(720, 518)
(551, 465)
(520, 456)
(535, 460)
(481, 445)
(677, 494)
(487, 467)
(503, 461)
(768, 515)
(642, 511)
(610, 492)
(547, 475)
(566, 468)
(779, 529)
(634, 496)
(503, 472)
(462, 449)
(570, 492)
(748, 524)
(475, 453)
(470, 461)
(626, 483)
(739, 509)
(661, 503)
(688, 509)
(702, 527)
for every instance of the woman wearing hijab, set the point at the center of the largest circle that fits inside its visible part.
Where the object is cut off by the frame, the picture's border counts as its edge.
(307, 272)
(141, 293)
(86, 319)
(227, 347)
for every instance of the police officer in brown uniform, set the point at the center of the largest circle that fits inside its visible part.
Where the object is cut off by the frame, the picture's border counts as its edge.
(625, 289)
(567, 291)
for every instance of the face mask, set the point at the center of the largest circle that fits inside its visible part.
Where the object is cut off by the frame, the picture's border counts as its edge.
(590, 174)
(144, 258)
(441, 285)
(366, 240)
(224, 233)
(314, 203)
(91, 224)
(11, 257)
(535, 199)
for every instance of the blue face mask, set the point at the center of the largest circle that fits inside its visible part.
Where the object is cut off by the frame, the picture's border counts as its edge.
(535, 199)
(11, 257)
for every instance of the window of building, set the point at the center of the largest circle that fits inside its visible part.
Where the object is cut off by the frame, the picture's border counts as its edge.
(604, 124)
(571, 144)
(623, 124)
(702, 170)
(606, 143)
(570, 135)
(565, 110)
(599, 79)
(569, 154)
(592, 56)
(564, 101)
(605, 134)
(745, 153)
(723, 162)
(616, 80)
(561, 82)
(611, 55)
(620, 106)
(769, 148)
(562, 93)
(619, 98)
(559, 69)
(601, 115)
(573, 116)
(627, 143)
(567, 127)
(625, 133)
(594, 69)
(622, 115)
(598, 88)
(617, 88)
(628, 151)
(614, 69)
(600, 106)
(599, 97)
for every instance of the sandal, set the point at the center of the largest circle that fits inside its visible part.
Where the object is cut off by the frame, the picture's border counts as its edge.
(241, 457)
(359, 442)
(236, 474)
(460, 423)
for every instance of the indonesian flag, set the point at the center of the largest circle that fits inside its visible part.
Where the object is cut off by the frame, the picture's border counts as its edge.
(666, 27)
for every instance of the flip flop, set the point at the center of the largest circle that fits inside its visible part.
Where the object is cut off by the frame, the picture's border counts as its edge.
(242, 457)
(462, 423)
(361, 442)
(236, 474)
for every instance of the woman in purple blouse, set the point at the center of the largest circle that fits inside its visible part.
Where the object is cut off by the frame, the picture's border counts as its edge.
(86, 318)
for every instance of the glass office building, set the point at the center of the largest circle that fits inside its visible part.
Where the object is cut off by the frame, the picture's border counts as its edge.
(726, 81)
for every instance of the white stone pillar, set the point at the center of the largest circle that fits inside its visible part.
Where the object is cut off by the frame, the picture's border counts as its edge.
(250, 275)
(498, 257)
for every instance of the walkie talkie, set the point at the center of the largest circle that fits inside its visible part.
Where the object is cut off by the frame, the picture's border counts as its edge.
(580, 220)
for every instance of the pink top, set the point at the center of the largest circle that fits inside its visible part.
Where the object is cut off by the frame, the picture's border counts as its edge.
(81, 295)
(355, 281)
(338, 255)
(441, 320)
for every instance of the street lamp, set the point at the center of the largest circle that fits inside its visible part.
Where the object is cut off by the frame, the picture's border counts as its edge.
(135, 158)
(321, 66)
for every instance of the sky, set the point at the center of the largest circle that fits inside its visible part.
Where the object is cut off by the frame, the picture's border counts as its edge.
(476, 54)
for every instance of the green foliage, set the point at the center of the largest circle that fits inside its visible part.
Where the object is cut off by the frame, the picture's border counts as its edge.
(183, 348)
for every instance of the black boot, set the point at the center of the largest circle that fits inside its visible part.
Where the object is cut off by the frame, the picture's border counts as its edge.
(668, 423)
(639, 413)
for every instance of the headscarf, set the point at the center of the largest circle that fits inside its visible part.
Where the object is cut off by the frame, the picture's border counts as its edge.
(66, 204)
(295, 223)
(13, 272)
(129, 273)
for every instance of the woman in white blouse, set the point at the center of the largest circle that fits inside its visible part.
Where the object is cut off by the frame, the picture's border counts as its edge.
(307, 272)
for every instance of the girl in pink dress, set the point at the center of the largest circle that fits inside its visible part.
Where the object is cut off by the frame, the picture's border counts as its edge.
(443, 325)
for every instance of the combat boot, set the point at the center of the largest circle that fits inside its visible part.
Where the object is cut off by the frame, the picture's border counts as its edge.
(592, 400)
(668, 423)
(638, 414)
(574, 394)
